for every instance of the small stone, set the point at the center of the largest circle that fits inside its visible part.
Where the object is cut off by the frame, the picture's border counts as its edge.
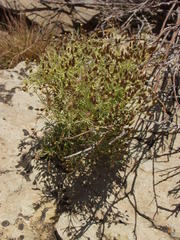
(5, 223)
(21, 237)
(21, 226)
(30, 108)
(26, 133)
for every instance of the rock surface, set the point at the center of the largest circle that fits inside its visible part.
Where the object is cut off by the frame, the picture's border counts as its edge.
(18, 217)
(86, 215)
(116, 220)
(93, 213)
(66, 19)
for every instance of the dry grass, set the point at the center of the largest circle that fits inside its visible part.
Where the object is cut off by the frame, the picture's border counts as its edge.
(22, 42)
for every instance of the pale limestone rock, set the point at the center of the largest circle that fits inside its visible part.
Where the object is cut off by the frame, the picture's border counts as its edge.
(39, 14)
(18, 217)
(145, 203)
(17, 198)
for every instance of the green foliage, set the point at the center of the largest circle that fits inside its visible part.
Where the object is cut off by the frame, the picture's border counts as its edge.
(92, 91)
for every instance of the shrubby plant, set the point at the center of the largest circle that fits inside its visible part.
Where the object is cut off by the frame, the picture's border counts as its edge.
(92, 91)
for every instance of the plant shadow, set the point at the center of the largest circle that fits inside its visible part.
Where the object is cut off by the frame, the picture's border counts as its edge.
(86, 193)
